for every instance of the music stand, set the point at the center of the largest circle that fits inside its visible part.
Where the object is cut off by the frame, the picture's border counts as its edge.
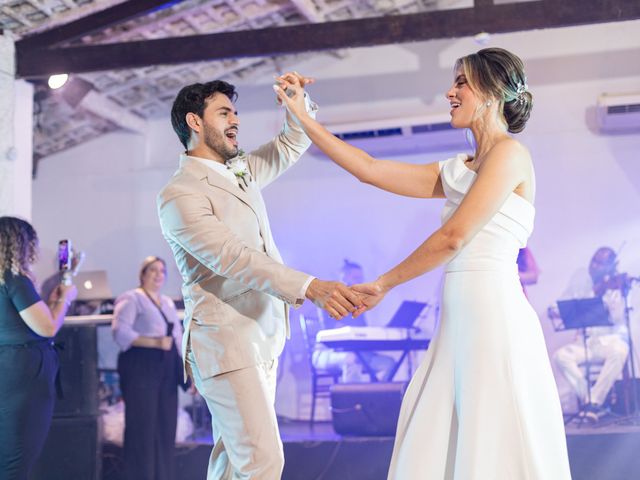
(580, 314)
(407, 314)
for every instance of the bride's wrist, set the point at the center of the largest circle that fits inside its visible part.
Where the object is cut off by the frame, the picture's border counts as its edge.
(383, 284)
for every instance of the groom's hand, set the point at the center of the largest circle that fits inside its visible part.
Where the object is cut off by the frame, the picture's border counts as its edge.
(289, 90)
(293, 80)
(334, 297)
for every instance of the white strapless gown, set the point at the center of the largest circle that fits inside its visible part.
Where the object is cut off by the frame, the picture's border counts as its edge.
(483, 405)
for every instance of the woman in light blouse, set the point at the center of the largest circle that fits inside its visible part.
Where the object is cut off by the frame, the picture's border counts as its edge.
(148, 331)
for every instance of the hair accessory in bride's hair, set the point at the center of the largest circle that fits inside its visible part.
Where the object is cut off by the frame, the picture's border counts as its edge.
(521, 89)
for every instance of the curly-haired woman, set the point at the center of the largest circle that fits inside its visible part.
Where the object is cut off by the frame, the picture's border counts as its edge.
(28, 362)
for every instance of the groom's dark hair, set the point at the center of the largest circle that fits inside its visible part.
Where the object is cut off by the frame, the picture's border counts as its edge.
(193, 99)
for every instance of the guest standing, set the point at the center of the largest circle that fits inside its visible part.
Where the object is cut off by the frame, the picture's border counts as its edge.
(28, 362)
(148, 331)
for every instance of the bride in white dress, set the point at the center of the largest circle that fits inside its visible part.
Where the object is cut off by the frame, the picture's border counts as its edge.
(483, 404)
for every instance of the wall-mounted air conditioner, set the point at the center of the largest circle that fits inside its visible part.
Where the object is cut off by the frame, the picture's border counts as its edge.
(402, 136)
(619, 113)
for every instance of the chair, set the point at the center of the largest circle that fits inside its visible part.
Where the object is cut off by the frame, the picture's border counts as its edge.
(319, 385)
(592, 368)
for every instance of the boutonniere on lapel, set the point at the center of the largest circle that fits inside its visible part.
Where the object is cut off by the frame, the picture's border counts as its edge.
(238, 166)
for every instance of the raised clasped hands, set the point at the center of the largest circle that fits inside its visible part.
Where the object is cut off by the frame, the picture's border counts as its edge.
(370, 295)
(289, 88)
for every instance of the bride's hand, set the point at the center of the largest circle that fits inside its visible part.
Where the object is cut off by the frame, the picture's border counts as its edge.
(290, 91)
(370, 293)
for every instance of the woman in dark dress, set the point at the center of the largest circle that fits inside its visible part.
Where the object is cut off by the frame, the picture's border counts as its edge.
(28, 362)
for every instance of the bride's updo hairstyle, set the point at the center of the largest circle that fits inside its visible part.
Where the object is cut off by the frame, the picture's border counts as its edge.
(498, 74)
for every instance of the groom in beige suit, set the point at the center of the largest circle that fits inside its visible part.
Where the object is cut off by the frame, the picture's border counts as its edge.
(236, 290)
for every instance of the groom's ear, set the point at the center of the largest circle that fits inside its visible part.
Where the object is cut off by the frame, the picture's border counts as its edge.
(194, 122)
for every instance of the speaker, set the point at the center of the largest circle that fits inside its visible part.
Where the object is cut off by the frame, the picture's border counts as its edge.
(78, 371)
(366, 408)
(622, 396)
(72, 450)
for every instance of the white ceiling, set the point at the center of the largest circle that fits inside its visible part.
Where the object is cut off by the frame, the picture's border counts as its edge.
(126, 98)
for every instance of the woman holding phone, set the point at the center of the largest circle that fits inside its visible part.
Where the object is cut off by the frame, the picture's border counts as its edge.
(28, 362)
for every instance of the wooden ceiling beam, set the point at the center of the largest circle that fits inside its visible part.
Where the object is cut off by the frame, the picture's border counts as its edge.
(502, 18)
(91, 23)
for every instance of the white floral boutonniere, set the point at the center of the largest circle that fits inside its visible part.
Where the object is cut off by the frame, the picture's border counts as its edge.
(238, 166)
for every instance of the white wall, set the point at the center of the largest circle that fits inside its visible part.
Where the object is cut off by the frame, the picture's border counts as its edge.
(16, 125)
(23, 148)
(102, 194)
(90, 195)
(7, 102)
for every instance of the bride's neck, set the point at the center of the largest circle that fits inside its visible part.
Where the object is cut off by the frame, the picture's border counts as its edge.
(485, 141)
(486, 133)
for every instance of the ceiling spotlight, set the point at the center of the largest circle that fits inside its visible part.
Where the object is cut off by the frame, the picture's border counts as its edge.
(482, 38)
(57, 81)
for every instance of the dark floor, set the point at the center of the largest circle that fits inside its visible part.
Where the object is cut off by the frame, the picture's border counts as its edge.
(609, 451)
(310, 454)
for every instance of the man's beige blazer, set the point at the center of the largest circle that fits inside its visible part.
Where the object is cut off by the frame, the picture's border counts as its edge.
(236, 289)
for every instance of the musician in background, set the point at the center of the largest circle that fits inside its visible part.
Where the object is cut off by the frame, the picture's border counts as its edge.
(604, 344)
(347, 362)
(528, 270)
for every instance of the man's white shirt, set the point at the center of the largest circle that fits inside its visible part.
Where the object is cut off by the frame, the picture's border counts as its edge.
(217, 167)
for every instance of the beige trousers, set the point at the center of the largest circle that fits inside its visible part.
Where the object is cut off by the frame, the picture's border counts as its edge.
(247, 444)
(611, 350)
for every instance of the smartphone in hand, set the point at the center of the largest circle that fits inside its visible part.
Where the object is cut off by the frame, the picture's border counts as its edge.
(64, 260)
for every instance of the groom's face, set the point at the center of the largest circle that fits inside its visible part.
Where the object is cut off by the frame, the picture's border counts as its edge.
(220, 126)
